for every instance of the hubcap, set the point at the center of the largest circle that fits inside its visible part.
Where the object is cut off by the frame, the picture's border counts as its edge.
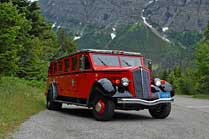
(100, 106)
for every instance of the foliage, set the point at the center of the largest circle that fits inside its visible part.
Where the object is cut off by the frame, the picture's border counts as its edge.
(27, 42)
(66, 44)
(193, 80)
(187, 39)
(206, 34)
(19, 99)
(202, 65)
(184, 82)
(11, 25)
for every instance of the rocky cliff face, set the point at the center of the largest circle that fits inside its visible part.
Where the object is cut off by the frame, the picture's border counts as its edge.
(94, 12)
(179, 15)
(174, 15)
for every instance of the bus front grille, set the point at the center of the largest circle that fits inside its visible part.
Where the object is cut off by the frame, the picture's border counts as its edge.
(141, 83)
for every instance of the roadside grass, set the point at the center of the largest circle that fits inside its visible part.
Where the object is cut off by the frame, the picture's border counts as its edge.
(195, 95)
(19, 99)
(201, 96)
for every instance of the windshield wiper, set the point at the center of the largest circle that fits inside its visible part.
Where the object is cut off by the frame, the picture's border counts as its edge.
(126, 62)
(102, 62)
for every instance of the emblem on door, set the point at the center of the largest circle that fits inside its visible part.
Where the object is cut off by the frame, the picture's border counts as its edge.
(73, 83)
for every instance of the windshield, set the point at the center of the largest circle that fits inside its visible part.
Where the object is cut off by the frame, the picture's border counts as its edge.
(106, 60)
(112, 60)
(127, 61)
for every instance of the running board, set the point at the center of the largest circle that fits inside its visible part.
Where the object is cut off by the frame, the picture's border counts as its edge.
(67, 102)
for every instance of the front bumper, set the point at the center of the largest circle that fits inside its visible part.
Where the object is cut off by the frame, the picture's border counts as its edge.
(144, 102)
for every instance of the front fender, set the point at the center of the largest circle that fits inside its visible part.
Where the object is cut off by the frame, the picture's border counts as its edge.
(166, 87)
(101, 87)
(106, 85)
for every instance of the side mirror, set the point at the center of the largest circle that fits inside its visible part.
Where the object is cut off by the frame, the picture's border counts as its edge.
(150, 65)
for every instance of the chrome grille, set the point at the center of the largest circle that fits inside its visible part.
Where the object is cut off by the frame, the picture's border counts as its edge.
(141, 83)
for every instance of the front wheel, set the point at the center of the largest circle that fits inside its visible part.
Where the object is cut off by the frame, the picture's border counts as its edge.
(103, 108)
(160, 111)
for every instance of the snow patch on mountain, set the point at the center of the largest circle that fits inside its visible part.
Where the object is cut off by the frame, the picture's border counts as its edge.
(32, 0)
(54, 25)
(113, 35)
(164, 29)
(145, 22)
(151, 1)
(76, 38)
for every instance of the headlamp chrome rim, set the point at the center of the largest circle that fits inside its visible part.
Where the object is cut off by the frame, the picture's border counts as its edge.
(125, 81)
(157, 82)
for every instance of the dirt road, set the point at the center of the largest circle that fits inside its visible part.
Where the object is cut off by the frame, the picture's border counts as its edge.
(189, 120)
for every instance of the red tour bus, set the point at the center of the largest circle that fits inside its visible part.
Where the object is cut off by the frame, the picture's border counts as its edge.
(105, 80)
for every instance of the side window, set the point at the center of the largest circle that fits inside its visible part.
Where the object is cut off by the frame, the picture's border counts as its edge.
(87, 64)
(74, 63)
(84, 63)
(60, 67)
(55, 68)
(67, 65)
(50, 69)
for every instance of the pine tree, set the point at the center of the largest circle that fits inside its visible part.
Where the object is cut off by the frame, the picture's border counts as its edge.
(202, 65)
(66, 44)
(27, 42)
(11, 25)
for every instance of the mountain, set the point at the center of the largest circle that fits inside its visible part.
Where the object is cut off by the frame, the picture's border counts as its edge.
(162, 30)
(177, 15)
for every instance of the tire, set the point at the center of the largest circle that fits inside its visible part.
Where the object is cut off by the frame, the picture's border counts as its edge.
(161, 111)
(103, 108)
(50, 104)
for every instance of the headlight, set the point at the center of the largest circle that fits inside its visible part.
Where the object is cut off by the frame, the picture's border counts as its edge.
(125, 81)
(157, 82)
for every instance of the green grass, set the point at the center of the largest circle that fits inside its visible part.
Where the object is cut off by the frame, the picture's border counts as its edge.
(201, 96)
(19, 99)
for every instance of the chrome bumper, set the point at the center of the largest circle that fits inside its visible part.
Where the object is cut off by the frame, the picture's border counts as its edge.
(144, 102)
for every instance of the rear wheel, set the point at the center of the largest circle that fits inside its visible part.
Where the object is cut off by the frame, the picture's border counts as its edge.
(161, 111)
(103, 108)
(50, 104)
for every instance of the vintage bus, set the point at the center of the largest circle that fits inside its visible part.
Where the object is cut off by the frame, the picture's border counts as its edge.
(105, 80)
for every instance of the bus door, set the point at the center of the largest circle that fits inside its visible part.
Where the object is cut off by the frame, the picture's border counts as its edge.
(84, 80)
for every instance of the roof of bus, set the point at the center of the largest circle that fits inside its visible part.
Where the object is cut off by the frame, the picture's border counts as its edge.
(102, 52)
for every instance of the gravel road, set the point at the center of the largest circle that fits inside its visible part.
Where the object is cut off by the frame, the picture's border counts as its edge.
(189, 120)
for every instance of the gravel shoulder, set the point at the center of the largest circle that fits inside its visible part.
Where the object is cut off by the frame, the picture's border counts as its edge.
(189, 119)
